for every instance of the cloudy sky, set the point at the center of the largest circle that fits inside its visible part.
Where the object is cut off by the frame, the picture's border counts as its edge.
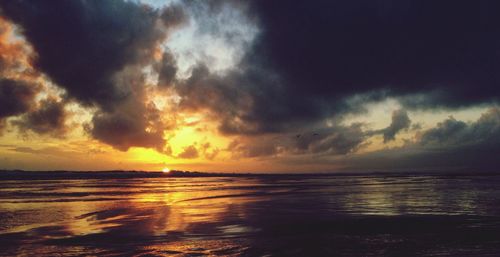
(250, 86)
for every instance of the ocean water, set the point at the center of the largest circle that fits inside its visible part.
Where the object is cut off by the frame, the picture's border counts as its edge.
(252, 216)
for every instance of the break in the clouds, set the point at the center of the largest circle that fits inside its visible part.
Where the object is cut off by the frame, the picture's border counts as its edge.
(278, 80)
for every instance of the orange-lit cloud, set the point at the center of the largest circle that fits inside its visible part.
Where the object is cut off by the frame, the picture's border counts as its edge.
(196, 86)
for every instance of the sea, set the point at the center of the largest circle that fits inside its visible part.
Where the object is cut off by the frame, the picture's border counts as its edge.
(273, 215)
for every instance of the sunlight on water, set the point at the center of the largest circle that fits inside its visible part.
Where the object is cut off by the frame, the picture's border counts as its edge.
(254, 216)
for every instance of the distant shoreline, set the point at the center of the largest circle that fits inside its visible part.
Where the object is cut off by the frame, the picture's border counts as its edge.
(121, 174)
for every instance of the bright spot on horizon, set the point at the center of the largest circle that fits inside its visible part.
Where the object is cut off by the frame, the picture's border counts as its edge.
(166, 170)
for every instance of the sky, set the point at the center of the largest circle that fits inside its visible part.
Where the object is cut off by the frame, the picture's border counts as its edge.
(250, 86)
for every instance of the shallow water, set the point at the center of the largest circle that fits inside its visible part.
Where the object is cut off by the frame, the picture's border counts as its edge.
(252, 216)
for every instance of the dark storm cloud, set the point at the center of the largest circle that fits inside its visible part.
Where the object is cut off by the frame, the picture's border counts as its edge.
(173, 16)
(336, 140)
(307, 63)
(339, 48)
(16, 97)
(455, 133)
(249, 101)
(82, 44)
(167, 69)
(309, 58)
(329, 141)
(400, 121)
(229, 97)
(345, 141)
(450, 145)
(95, 50)
(249, 98)
(49, 118)
(132, 124)
(445, 132)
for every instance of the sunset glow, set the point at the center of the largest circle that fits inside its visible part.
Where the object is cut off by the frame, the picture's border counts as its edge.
(181, 92)
(249, 128)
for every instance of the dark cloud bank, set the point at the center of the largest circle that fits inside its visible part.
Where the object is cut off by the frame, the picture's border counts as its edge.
(310, 58)
(308, 62)
(95, 51)
(81, 45)
(49, 118)
(451, 145)
(15, 97)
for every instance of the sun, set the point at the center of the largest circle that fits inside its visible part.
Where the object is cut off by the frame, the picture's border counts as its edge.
(166, 170)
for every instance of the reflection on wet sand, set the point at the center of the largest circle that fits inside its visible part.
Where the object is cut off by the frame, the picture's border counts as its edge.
(254, 216)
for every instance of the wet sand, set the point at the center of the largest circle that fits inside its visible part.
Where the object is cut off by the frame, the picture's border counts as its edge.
(252, 216)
